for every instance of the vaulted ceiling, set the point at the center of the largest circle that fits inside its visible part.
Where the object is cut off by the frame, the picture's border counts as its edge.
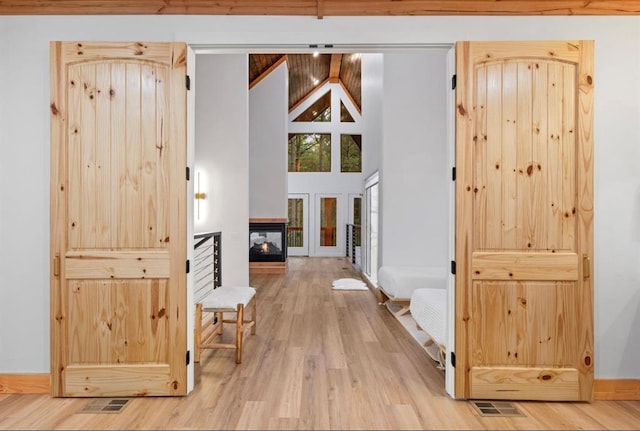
(320, 8)
(308, 72)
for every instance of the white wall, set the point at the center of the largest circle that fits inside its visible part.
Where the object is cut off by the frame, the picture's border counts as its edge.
(24, 136)
(222, 153)
(414, 203)
(371, 87)
(268, 108)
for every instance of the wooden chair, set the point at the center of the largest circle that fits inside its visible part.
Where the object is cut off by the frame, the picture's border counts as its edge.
(225, 299)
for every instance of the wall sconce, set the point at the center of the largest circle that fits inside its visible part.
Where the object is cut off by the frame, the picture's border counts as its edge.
(200, 195)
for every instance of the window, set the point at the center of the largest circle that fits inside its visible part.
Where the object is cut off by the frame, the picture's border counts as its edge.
(350, 153)
(357, 219)
(345, 116)
(328, 215)
(320, 111)
(296, 223)
(309, 152)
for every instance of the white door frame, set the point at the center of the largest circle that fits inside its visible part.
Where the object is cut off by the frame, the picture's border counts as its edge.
(372, 180)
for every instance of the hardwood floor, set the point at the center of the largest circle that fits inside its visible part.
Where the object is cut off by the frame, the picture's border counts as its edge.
(321, 359)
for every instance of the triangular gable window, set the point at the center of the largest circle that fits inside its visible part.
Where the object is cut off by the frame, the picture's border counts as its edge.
(345, 115)
(319, 111)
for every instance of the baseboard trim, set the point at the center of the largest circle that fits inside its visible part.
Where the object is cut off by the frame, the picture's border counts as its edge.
(25, 384)
(616, 389)
(603, 389)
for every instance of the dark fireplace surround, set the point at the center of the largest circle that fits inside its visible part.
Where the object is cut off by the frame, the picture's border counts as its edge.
(267, 242)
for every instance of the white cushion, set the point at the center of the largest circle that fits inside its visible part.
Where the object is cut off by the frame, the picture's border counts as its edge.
(228, 297)
(429, 309)
(399, 282)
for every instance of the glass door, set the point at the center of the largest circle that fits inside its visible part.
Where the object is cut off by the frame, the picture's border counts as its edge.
(371, 215)
(354, 229)
(298, 227)
(328, 226)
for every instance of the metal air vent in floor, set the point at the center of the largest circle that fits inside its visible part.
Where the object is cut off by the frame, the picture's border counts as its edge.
(104, 405)
(496, 408)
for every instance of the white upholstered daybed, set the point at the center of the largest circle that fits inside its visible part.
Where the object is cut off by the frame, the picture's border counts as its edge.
(397, 283)
(429, 309)
(423, 292)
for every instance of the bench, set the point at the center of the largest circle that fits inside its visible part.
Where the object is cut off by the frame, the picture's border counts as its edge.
(225, 299)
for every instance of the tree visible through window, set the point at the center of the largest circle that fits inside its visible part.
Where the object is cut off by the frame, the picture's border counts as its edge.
(309, 152)
(350, 153)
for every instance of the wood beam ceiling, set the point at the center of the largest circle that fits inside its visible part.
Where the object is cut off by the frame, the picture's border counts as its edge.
(334, 69)
(320, 8)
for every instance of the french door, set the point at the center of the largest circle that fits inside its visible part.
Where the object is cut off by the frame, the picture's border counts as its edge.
(329, 225)
(298, 227)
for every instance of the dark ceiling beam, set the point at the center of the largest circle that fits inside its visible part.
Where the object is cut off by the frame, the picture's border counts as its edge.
(320, 8)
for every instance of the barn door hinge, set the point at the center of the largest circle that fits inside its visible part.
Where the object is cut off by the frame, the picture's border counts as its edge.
(453, 359)
(187, 79)
(453, 267)
(188, 357)
(453, 173)
(188, 173)
(188, 266)
(56, 265)
(454, 82)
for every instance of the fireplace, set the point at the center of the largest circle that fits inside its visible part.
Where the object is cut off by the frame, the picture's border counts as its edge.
(267, 242)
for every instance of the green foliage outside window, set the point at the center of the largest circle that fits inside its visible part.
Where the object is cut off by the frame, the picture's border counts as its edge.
(350, 153)
(310, 152)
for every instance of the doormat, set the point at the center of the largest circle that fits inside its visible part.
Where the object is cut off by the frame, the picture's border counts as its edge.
(349, 284)
(496, 408)
(104, 405)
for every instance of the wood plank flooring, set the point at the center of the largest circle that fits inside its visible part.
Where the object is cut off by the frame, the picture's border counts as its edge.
(321, 359)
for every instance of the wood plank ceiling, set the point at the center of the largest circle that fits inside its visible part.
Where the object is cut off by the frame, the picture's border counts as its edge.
(320, 8)
(308, 72)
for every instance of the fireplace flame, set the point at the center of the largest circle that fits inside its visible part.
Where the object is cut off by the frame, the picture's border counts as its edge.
(265, 247)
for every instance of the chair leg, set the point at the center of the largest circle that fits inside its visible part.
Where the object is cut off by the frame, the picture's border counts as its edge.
(254, 315)
(239, 332)
(220, 318)
(197, 333)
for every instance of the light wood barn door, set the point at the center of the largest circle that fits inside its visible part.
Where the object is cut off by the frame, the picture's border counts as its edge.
(118, 219)
(524, 220)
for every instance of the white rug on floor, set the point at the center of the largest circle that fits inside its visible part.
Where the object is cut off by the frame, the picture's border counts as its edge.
(349, 284)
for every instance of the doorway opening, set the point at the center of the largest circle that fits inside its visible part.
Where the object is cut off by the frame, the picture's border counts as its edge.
(381, 154)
